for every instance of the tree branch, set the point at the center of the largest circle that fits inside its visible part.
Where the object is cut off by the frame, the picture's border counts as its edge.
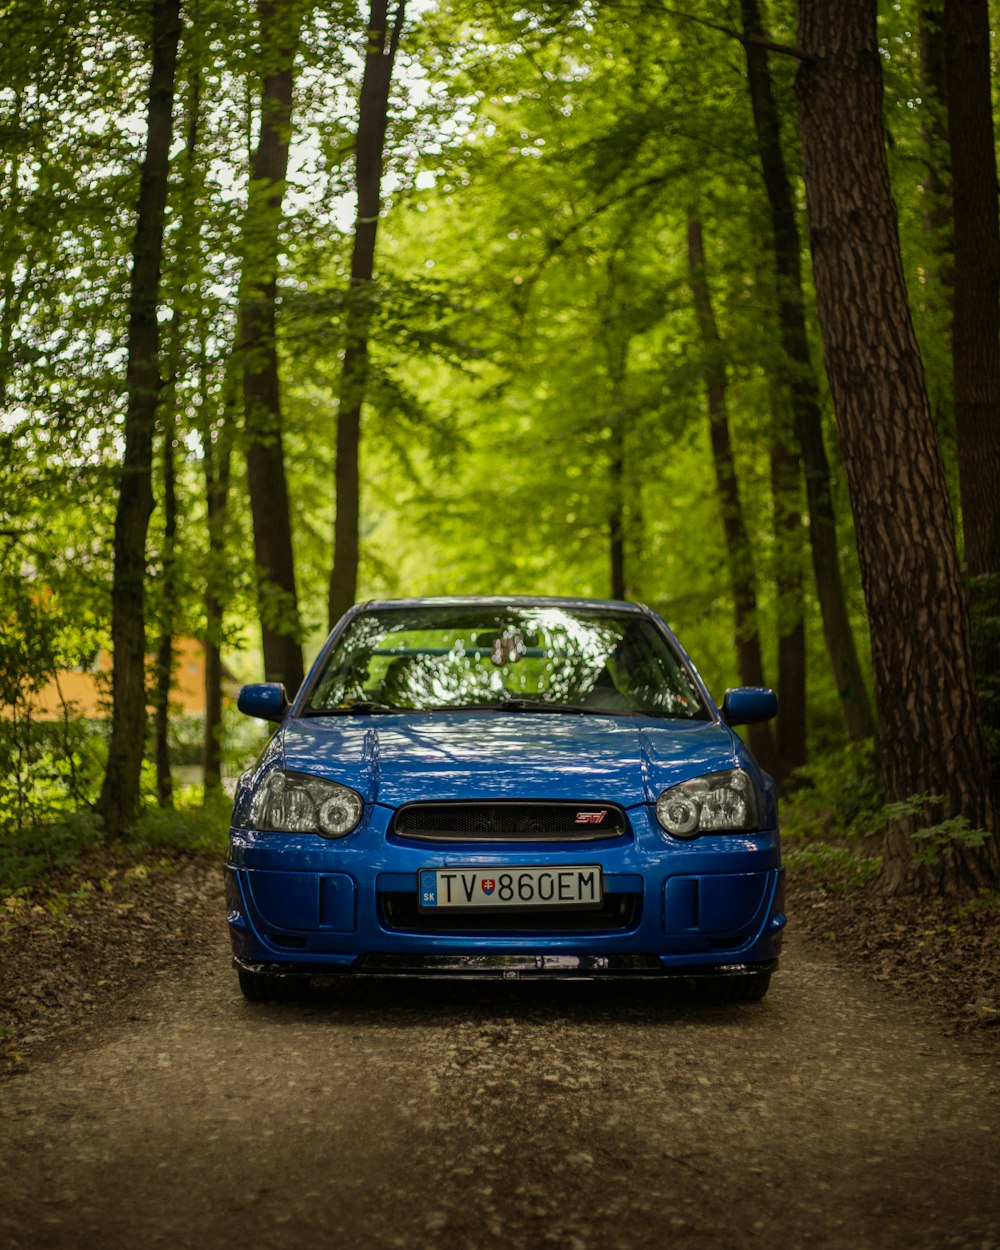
(783, 49)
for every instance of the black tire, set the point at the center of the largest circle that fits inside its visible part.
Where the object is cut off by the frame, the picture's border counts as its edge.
(750, 987)
(259, 987)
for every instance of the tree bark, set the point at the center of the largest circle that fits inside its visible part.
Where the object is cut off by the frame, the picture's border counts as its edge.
(217, 473)
(931, 740)
(976, 335)
(789, 547)
(741, 570)
(170, 587)
(216, 444)
(803, 386)
(120, 792)
(616, 519)
(266, 478)
(615, 343)
(164, 664)
(934, 133)
(369, 154)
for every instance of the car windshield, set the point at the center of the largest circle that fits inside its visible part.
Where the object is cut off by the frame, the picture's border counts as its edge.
(544, 658)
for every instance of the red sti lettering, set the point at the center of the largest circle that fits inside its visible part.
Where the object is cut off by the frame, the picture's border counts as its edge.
(590, 818)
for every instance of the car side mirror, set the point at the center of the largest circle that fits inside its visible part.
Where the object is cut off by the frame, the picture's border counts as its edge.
(748, 705)
(267, 700)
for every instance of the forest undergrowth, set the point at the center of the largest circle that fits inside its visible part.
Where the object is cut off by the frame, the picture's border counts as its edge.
(942, 952)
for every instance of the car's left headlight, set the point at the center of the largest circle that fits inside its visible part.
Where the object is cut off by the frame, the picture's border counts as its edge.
(726, 801)
(298, 803)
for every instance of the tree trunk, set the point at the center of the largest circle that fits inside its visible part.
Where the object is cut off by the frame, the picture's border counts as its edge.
(368, 161)
(804, 389)
(164, 664)
(266, 479)
(976, 335)
(789, 547)
(931, 740)
(217, 457)
(616, 518)
(934, 133)
(738, 551)
(217, 498)
(120, 792)
(615, 343)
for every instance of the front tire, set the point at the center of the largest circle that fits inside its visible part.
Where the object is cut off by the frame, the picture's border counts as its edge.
(260, 987)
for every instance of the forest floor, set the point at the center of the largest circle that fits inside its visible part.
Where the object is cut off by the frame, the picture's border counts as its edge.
(74, 952)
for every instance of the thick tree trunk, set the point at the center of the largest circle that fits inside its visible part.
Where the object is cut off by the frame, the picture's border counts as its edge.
(802, 383)
(266, 479)
(931, 740)
(120, 792)
(369, 152)
(738, 551)
(976, 335)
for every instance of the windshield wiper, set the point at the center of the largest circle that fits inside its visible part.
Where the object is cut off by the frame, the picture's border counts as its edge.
(536, 705)
(509, 705)
(362, 707)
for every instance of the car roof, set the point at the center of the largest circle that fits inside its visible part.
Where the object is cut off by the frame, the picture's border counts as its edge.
(505, 601)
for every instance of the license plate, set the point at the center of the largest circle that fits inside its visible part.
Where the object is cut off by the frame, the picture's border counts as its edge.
(530, 889)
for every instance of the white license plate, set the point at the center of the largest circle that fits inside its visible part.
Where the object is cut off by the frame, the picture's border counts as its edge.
(534, 889)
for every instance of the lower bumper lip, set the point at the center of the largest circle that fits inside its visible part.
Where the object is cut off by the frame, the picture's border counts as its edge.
(500, 967)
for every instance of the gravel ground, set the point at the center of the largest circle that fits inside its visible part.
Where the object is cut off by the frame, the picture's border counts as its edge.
(576, 1116)
(837, 1113)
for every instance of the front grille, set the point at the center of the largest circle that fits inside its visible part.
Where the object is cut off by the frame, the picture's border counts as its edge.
(510, 822)
(618, 913)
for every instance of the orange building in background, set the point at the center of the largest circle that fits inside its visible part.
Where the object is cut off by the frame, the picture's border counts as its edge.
(88, 692)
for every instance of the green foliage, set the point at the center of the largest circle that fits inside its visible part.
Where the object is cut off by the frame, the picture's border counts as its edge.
(48, 769)
(829, 814)
(934, 840)
(192, 825)
(839, 867)
(33, 852)
(837, 793)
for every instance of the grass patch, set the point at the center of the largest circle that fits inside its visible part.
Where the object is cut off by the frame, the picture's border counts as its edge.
(827, 817)
(35, 854)
(190, 826)
(839, 867)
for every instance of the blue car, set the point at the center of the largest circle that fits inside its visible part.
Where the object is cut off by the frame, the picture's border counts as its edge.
(504, 787)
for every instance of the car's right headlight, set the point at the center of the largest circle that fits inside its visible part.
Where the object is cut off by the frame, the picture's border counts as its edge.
(722, 802)
(297, 803)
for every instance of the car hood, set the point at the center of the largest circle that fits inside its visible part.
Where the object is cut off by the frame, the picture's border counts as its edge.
(488, 755)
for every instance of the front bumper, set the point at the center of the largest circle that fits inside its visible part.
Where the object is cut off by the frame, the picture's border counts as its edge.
(308, 906)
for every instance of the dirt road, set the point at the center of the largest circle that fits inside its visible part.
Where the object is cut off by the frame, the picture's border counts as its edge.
(571, 1116)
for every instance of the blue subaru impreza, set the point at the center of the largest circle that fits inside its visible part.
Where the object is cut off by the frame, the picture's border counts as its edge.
(521, 787)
